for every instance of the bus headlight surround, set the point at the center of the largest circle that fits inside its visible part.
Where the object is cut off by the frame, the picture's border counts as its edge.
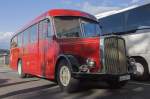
(90, 62)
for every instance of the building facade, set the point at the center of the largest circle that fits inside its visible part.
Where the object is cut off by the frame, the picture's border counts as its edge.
(4, 57)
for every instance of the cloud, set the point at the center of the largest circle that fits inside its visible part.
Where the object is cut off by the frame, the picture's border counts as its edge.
(139, 2)
(134, 1)
(145, 1)
(93, 9)
(5, 39)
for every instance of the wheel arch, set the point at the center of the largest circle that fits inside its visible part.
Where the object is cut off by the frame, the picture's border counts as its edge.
(19, 59)
(72, 60)
(143, 60)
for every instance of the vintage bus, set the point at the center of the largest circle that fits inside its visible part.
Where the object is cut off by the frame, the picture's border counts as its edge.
(65, 46)
(133, 24)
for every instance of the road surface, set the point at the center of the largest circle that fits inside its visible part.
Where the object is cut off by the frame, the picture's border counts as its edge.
(12, 87)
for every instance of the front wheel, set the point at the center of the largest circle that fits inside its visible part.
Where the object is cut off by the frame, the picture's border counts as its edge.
(20, 70)
(64, 77)
(142, 72)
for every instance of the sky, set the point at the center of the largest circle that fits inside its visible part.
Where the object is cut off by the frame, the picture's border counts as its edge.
(16, 13)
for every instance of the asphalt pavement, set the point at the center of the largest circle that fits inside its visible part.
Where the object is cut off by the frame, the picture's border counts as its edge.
(13, 87)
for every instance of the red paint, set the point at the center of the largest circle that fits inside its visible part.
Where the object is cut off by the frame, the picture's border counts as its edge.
(43, 54)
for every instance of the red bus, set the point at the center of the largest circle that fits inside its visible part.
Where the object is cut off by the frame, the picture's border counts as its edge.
(65, 46)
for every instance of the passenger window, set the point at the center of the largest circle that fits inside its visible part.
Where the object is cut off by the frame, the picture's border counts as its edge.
(49, 34)
(19, 40)
(41, 29)
(44, 29)
(14, 42)
(26, 37)
(33, 33)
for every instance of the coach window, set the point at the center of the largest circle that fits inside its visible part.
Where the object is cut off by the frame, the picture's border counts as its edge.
(26, 37)
(41, 29)
(33, 33)
(49, 34)
(45, 29)
(14, 42)
(19, 40)
(138, 18)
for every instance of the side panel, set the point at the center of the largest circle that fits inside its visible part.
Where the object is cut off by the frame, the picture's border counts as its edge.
(52, 51)
(26, 59)
(33, 58)
(48, 52)
(139, 45)
(82, 48)
(14, 53)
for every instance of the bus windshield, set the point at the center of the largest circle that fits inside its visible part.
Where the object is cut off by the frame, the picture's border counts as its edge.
(76, 27)
(90, 28)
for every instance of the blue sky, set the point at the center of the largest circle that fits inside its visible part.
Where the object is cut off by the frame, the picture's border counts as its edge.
(16, 13)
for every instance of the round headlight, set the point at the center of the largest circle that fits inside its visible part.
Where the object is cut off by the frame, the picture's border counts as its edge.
(90, 62)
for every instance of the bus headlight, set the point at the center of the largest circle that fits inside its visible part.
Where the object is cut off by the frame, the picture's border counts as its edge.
(90, 62)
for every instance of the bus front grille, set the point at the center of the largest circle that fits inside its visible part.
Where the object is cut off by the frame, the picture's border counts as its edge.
(115, 56)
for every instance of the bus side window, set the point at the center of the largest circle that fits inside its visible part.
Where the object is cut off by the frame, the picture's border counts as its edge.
(14, 42)
(33, 33)
(41, 29)
(26, 37)
(49, 33)
(20, 40)
(45, 29)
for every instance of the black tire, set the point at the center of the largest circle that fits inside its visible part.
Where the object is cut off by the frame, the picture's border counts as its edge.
(145, 75)
(116, 84)
(20, 70)
(73, 85)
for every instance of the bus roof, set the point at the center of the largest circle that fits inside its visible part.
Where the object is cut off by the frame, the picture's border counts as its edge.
(124, 21)
(109, 13)
(113, 12)
(67, 12)
(58, 12)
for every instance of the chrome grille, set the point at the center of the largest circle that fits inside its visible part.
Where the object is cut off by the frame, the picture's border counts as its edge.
(115, 55)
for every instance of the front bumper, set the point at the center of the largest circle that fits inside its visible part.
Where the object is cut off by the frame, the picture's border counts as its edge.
(98, 76)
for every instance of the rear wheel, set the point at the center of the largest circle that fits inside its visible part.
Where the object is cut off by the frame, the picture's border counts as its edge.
(142, 72)
(64, 77)
(20, 70)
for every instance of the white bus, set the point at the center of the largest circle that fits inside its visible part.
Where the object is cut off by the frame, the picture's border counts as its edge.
(133, 24)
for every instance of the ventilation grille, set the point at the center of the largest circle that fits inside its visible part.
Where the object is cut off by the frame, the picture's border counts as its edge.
(115, 56)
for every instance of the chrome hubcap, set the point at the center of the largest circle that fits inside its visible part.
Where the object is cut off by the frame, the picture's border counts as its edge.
(139, 68)
(65, 75)
(19, 68)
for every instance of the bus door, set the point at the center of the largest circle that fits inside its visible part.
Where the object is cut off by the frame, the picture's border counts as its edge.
(45, 42)
(33, 48)
(26, 55)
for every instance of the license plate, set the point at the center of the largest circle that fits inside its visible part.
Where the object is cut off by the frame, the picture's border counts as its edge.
(125, 77)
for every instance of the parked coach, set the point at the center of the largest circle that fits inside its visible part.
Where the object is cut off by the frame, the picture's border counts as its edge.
(133, 24)
(65, 46)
